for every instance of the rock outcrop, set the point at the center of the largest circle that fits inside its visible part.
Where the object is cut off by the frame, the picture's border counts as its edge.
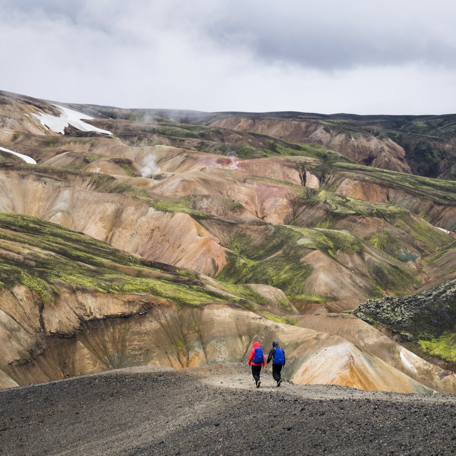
(419, 316)
(424, 321)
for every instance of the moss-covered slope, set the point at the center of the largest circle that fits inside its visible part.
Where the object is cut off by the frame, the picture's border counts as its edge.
(314, 265)
(44, 256)
(335, 228)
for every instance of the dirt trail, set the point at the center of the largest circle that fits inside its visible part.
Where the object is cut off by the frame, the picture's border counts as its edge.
(215, 410)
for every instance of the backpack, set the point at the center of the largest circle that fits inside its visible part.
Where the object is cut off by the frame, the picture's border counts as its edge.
(278, 357)
(258, 358)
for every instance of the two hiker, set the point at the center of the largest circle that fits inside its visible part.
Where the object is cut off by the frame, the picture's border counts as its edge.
(256, 360)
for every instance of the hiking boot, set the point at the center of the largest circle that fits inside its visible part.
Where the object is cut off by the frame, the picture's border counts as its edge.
(258, 383)
(279, 382)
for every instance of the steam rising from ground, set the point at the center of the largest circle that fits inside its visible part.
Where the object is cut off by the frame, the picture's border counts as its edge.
(150, 119)
(150, 166)
(234, 163)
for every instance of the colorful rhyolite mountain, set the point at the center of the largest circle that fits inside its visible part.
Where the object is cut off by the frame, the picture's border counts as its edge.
(142, 237)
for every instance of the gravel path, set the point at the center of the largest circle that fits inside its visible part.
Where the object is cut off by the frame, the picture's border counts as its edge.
(215, 410)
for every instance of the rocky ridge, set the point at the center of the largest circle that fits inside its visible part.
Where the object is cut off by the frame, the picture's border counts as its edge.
(427, 320)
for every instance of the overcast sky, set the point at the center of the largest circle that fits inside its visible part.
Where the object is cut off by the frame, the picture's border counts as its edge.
(327, 56)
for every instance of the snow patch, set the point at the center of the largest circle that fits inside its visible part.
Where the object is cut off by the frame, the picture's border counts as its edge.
(406, 362)
(443, 229)
(26, 158)
(150, 166)
(68, 117)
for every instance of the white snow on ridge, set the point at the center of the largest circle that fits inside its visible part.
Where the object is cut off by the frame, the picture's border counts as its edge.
(26, 158)
(443, 229)
(409, 359)
(68, 117)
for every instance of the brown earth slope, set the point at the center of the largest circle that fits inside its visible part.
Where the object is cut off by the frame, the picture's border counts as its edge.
(379, 153)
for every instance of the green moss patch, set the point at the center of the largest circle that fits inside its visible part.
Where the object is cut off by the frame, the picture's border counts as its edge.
(275, 261)
(276, 319)
(328, 241)
(316, 151)
(441, 191)
(173, 206)
(443, 347)
(344, 205)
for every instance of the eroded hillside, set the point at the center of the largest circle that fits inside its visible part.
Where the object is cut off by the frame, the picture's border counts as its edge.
(223, 235)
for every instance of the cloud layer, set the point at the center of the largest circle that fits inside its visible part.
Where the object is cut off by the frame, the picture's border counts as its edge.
(213, 55)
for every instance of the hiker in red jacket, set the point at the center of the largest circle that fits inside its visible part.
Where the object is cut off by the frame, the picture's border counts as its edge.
(256, 359)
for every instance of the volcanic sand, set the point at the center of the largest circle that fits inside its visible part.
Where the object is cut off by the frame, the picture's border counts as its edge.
(216, 410)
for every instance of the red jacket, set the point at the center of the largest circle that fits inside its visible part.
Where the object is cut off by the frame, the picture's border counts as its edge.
(252, 354)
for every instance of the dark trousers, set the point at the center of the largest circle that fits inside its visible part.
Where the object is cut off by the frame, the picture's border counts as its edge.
(256, 370)
(276, 370)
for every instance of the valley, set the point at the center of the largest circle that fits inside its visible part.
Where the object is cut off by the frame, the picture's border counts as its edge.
(177, 238)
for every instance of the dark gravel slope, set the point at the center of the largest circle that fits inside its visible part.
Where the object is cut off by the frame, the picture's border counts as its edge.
(215, 410)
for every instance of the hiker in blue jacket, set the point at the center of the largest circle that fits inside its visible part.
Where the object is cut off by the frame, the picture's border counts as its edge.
(277, 355)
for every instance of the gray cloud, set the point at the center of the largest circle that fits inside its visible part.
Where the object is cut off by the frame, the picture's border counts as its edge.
(332, 34)
(325, 56)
